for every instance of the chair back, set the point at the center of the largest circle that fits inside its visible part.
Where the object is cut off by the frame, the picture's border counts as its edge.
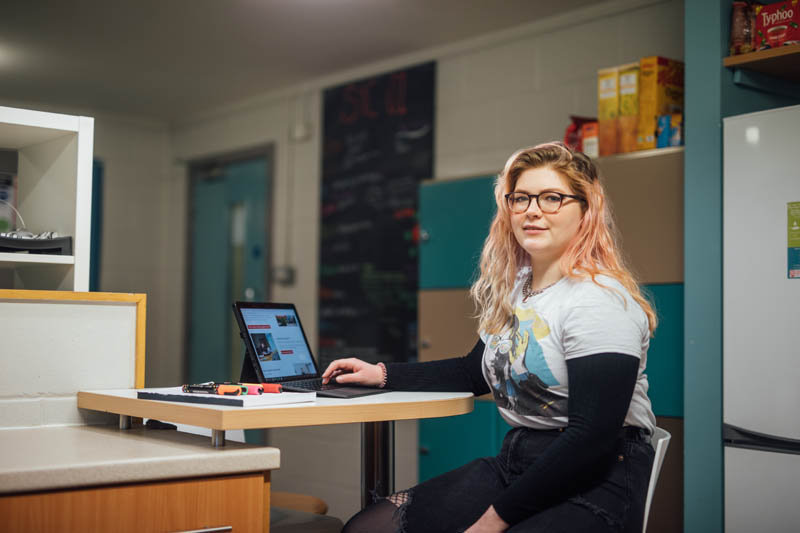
(660, 442)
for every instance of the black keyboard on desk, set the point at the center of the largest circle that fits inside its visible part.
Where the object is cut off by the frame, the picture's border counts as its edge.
(312, 384)
(331, 390)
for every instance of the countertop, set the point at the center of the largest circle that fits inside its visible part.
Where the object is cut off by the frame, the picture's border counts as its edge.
(47, 458)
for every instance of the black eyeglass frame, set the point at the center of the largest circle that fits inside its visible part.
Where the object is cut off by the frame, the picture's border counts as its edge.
(532, 196)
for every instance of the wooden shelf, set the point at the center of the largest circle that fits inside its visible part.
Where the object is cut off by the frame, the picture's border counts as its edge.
(783, 62)
(641, 154)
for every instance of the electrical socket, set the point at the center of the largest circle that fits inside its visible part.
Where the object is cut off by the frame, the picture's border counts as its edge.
(284, 275)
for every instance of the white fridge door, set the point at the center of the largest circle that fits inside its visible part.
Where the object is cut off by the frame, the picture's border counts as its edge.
(761, 309)
(761, 492)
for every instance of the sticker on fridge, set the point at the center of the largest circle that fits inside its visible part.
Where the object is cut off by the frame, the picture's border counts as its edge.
(793, 239)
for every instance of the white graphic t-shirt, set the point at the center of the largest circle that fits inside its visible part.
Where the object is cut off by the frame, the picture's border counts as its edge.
(525, 365)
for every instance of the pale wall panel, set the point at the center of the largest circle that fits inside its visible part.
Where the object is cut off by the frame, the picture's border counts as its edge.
(447, 327)
(51, 350)
(646, 196)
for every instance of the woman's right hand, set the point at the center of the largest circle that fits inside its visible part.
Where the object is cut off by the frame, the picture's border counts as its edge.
(353, 371)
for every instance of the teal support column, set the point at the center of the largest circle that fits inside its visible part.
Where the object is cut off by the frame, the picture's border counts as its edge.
(703, 458)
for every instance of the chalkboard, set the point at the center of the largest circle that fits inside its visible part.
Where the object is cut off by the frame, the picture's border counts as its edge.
(377, 147)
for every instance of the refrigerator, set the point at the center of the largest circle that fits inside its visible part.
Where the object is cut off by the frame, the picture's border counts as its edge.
(761, 321)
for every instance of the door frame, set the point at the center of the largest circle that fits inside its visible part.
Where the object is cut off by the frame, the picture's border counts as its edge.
(195, 169)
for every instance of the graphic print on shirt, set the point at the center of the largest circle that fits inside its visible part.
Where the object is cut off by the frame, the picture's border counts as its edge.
(521, 376)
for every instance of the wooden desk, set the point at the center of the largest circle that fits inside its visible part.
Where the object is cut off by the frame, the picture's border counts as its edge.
(376, 413)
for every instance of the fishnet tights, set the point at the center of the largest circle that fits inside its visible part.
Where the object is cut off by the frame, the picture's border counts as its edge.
(380, 517)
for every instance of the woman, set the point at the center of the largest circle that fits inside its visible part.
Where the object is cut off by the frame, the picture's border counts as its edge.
(564, 332)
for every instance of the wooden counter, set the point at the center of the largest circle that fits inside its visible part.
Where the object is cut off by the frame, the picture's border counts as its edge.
(90, 478)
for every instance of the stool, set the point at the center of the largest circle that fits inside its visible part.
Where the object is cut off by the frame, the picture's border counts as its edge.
(295, 513)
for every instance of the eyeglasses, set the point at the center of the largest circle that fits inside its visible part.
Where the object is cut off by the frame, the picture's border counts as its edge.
(548, 201)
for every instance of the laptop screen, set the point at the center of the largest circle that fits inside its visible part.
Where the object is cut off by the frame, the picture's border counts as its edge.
(278, 341)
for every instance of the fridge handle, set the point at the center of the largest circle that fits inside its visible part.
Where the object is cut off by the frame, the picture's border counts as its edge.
(737, 437)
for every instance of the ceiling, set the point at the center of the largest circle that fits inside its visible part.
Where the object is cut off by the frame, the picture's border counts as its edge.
(168, 59)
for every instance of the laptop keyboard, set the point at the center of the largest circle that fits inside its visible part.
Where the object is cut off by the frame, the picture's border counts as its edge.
(313, 384)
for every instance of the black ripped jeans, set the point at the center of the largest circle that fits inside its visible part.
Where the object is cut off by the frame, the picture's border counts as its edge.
(611, 499)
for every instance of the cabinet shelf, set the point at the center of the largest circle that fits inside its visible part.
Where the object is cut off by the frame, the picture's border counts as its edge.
(53, 193)
(15, 259)
(783, 62)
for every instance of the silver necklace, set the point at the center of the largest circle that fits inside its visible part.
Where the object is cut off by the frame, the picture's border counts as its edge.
(526, 289)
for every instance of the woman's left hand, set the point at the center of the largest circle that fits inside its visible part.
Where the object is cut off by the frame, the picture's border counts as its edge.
(490, 522)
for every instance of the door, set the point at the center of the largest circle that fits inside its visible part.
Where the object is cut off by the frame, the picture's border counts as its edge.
(229, 243)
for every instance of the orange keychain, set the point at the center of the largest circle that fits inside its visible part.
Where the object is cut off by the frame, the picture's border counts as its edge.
(253, 388)
(264, 387)
(229, 390)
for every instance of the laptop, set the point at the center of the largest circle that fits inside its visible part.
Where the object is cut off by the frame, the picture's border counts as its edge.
(278, 351)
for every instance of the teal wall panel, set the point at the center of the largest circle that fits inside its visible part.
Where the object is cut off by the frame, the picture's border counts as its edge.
(453, 441)
(455, 215)
(96, 237)
(501, 427)
(665, 356)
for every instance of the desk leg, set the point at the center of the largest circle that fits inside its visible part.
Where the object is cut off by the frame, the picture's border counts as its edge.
(377, 460)
(217, 438)
(124, 422)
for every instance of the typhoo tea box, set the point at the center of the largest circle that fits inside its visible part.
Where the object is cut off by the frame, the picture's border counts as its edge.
(776, 25)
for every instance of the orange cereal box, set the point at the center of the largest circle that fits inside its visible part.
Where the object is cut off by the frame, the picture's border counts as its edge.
(660, 93)
(590, 145)
(607, 109)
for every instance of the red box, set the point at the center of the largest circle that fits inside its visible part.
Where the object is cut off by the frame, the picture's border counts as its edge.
(776, 25)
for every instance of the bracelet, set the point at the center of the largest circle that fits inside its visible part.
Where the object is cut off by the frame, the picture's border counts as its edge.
(383, 370)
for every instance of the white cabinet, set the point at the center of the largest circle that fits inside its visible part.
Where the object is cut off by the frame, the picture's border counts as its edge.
(54, 191)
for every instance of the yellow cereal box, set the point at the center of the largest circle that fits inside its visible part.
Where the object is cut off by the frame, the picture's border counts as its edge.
(628, 107)
(660, 93)
(607, 109)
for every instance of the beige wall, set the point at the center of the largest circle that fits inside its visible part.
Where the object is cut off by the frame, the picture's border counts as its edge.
(137, 209)
(494, 95)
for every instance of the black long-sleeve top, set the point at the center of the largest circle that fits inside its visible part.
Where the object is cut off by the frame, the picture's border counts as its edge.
(600, 391)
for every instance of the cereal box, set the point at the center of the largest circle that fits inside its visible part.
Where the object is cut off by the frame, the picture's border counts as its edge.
(776, 25)
(607, 110)
(590, 144)
(660, 93)
(628, 107)
(670, 130)
(676, 130)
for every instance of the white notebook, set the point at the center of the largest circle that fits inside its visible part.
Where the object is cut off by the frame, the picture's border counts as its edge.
(175, 394)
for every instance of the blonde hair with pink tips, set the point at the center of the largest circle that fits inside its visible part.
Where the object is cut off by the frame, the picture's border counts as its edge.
(592, 252)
